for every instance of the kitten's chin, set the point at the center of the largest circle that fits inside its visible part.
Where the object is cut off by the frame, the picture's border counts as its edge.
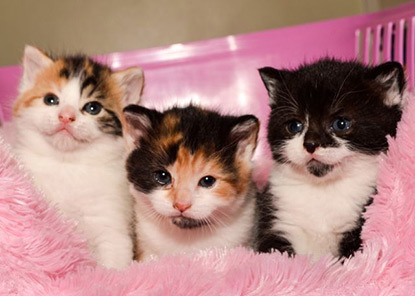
(318, 168)
(315, 170)
(64, 142)
(188, 223)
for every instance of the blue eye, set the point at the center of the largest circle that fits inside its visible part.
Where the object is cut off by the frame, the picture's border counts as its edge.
(294, 126)
(92, 108)
(341, 125)
(207, 181)
(162, 177)
(51, 99)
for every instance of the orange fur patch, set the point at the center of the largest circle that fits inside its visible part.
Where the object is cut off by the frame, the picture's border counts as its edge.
(169, 135)
(170, 121)
(168, 141)
(189, 168)
(46, 82)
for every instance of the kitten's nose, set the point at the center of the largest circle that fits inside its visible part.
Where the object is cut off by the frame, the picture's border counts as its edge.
(310, 146)
(182, 206)
(67, 115)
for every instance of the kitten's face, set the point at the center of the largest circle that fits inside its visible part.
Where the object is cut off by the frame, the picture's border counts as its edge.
(328, 113)
(190, 167)
(71, 101)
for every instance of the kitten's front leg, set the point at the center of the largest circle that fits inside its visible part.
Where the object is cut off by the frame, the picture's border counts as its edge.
(352, 240)
(114, 250)
(272, 241)
(110, 242)
(266, 238)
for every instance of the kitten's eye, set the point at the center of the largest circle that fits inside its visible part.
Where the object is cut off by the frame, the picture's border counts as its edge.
(341, 125)
(207, 181)
(162, 177)
(294, 126)
(51, 99)
(92, 108)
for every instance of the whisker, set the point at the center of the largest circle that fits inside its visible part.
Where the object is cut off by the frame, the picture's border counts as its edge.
(344, 81)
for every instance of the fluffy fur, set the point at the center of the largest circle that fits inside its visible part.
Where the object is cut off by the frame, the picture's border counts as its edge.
(328, 125)
(43, 255)
(190, 173)
(69, 136)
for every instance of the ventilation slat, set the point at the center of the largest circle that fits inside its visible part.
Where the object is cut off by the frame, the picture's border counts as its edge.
(358, 45)
(399, 41)
(387, 42)
(410, 52)
(367, 45)
(377, 44)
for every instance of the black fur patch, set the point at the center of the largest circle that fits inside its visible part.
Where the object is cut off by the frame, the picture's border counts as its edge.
(64, 73)
(318, 168)
(90, 80)
(265, 239)
(110, 123)
(351, 241)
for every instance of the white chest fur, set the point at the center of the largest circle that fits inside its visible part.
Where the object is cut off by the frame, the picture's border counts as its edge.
(159, 236)
(90, 188)
(313, 215)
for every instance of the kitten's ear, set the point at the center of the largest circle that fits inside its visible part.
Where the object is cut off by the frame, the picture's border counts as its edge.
(131, 81)
(273, 80)
(391, 76)
(34, 61)
(138, 122)
(245, 133)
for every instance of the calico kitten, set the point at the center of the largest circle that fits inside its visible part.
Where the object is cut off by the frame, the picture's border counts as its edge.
(69, 136)
(190, 173)
(328, 125)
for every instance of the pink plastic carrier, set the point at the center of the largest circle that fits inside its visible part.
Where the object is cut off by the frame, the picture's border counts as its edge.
(222, 73)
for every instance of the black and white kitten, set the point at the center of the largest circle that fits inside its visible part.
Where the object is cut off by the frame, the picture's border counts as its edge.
(328, 125)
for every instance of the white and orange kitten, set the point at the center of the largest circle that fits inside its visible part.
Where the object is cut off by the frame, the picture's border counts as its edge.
(69, 136)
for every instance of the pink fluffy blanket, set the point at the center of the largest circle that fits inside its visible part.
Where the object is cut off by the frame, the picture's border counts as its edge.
(41, 254)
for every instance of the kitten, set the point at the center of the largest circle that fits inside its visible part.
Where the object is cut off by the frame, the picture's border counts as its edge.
(328, 125)
(190, 173)
(69, 136)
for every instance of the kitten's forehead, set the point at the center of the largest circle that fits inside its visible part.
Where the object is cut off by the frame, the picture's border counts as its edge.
(94, 79)
(69, 91)
(324, 88)
(189, 165)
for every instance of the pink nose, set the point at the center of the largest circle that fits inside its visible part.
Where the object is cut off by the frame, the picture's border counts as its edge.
(67, 115)
(182, 206)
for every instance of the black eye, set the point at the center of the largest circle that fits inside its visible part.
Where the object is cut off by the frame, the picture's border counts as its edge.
(294, 126)
(207, 181)
(162, 177)
(51, 99)
(92, 108)
(341, 125)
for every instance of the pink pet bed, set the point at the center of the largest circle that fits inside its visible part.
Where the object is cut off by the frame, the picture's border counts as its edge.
(41, 254)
